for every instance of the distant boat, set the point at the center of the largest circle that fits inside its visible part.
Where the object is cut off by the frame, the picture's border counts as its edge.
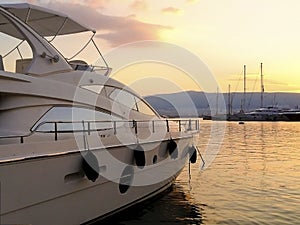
(292, 115)
(269, 113)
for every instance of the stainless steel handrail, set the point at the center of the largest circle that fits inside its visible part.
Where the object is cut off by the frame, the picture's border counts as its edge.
(192, 125)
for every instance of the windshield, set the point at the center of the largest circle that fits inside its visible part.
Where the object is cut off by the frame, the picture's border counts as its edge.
(83, 56)
(49, 27)
(14, 50)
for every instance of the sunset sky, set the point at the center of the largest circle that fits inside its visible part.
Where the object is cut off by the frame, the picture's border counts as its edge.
(224, 34)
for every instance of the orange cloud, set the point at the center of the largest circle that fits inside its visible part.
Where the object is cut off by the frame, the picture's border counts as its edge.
(128, 30)
(115, 30)
(172, 10)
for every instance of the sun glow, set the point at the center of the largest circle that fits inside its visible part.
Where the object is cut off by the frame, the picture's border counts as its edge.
(171, 35)
(225, 34)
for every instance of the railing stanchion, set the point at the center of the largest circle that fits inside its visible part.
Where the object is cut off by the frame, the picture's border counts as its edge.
(190, 125)
(153, 127)
(115, 127)
(55, 131)
(135, 127)
(179, 124)
(22, 140)
(167, 123)
(89, 128)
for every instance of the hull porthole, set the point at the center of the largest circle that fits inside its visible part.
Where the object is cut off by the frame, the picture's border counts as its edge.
(126, 179)
(90, 166)
(139, 156)
(172, 149)
(193, 154)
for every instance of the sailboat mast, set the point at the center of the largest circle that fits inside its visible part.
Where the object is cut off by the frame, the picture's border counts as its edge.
(244, 98)
(229, 100)
(262, 86)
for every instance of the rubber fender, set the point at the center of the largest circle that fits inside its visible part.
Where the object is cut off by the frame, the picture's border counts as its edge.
(139, 156)
(172, 149)
(90, 166)
(193, 154)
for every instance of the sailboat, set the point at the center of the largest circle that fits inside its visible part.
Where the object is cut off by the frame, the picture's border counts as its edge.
(264, 113)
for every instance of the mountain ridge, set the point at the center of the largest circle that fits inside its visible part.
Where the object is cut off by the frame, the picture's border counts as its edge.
(196, 103)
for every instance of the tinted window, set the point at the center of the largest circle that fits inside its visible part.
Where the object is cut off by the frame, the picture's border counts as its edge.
(129, 100)
(94, 88)
(70, 118)
(123, 97)
(144, 108)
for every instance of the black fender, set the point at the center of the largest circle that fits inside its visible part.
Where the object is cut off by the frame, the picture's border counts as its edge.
(90, 166)
(139, 156)
(172, 149)
(193, 154)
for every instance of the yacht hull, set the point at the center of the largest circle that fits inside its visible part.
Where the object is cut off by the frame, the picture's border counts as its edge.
(54, 190)
(292, 116)
(249, 117)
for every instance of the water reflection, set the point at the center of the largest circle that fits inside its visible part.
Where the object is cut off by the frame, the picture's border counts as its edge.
(254, 179)
(175, 207)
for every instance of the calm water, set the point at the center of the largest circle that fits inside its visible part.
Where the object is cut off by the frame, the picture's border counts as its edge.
(254, 179)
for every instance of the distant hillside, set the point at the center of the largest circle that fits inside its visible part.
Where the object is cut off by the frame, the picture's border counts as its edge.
(193, 103)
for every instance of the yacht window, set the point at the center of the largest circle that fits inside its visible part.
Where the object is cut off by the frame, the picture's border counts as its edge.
(123, 97)
(144, 108)
(94, 88)
(130, 100)
(70, 119)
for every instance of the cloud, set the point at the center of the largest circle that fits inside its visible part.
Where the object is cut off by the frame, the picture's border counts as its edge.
(116, 30)
(132, 30)
(139, 5)
(172, 10)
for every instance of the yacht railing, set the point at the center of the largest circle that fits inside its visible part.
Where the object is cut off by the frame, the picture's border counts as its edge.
(88, 127)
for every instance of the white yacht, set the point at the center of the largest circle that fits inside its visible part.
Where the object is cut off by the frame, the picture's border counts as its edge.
(75, 145)
(269, 113)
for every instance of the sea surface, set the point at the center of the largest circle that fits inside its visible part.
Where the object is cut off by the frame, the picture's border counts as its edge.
(251, 176)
